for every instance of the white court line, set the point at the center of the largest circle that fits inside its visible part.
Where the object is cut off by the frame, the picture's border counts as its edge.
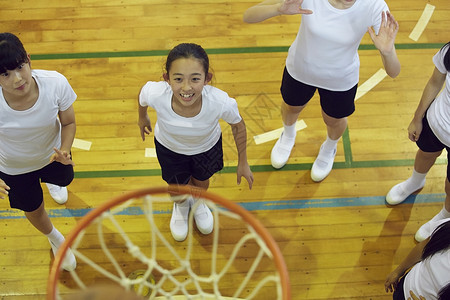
(422, 23)
(150, 152)
(82, 144)
(275, 134)
(370, 83)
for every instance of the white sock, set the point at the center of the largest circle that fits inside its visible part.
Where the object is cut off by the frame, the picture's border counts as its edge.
(289, 131)
(55, 237)
(443, 214)
(415, 182)
(330, 145)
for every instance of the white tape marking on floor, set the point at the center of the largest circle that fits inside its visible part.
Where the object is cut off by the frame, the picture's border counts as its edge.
(422, 23)
(82, 144)
(370, 83)
(150, 152)
(275, 134)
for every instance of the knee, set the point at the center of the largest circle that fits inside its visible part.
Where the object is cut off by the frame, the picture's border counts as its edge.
(291, 109)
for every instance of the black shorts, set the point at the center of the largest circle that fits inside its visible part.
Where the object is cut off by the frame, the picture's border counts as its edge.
(428, 142)
(178, 168)
(25, 189)
(399, 293)
(336, 104)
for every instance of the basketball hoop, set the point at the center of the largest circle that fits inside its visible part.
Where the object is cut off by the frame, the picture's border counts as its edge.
(238, 260)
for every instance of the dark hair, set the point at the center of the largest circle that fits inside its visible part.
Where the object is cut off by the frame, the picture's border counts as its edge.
(188, 50)
(12, 52)
(439, 241)
(444, 293)
(446, 56)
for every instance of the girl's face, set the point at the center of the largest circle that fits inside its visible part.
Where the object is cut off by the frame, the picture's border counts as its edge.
(187, 79)
(17, 83)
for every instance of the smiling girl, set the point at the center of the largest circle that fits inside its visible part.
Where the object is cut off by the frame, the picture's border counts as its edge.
(188, 137)
(37, 129)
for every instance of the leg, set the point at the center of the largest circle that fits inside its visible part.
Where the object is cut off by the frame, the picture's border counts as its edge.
(335, 127)
(324, 162)
(425, 160)
(422, 164)
(202, 184)
(39, 219)
(283, 147)
(289, 113)
(295, 95)
(202, 214)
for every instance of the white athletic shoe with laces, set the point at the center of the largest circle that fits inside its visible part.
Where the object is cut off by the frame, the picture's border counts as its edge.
(58, 193)
(322, 165)
(69, 263)
(281, 151)
(179, 222)
(202, 216)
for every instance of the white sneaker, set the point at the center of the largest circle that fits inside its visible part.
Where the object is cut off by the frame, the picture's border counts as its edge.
(398, 194)
(281, 151)
(58, 193)
(203, 217)
(69, 263)
(426, 230)
(322, 165)
(179, 222)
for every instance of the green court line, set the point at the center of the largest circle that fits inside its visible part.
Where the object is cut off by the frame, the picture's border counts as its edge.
(258, 168)
(239, 50)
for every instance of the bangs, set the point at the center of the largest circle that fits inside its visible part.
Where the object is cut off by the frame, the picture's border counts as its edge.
(11, 57)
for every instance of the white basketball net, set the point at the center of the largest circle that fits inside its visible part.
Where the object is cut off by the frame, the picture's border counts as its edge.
(233, 262)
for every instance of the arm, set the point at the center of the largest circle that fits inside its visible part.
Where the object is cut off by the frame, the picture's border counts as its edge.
(144, 123)
(272, 8)
(384, 42)
(68, 129)
(240, 138)
(432, 89)
(413, 257)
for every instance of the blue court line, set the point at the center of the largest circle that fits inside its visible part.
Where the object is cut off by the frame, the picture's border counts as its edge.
(250, 206)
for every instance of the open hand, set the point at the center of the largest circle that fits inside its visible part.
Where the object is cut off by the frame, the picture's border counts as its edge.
(243, 170)
(62, 157)
(293, 7)
(385, 39)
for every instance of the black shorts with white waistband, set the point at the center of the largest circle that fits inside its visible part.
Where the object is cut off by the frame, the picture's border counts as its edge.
(178, 168)
(336, 104)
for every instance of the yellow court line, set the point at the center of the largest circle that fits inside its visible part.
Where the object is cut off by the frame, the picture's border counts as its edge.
(422, 23)
(275, 134)
(82, 144)
(370, 83)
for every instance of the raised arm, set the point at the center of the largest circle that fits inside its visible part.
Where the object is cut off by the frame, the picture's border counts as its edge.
(272, 8)
(384, 42)
(240, 138)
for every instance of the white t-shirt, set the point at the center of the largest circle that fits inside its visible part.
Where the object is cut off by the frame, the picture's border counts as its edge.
(438, 114)
(325, 51)
(429, 276)
(193, 135)
(27, 137)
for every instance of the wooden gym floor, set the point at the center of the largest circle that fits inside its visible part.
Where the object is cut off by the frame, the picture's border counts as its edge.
(338, 237)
